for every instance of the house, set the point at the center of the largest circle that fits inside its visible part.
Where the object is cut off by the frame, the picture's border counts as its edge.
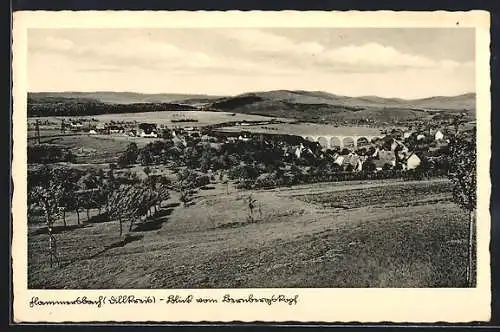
(148, 130)
(359, 163)
(100, 127)
(75, 125)
(353, 160)
(407, 134)
(412, 161)
(339, 159)
(420, 137)
(92, 132)
(113, 129)
(152, 134)
(438, 135)
(244, 139)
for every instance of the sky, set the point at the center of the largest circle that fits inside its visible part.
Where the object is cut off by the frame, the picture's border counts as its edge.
(385, 62)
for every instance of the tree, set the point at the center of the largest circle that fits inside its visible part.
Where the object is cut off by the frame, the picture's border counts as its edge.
(47, 196)
(145, 157)
(118, 204)
(386, 167)
(186, 181)
(251, 206)
(129, 156)
(166, 133)
(206, 160)
(109, 187)
(147, 171)
(369, 166)
(463, 176)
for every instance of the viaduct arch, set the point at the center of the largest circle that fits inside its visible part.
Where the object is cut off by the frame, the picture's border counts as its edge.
(332, 141)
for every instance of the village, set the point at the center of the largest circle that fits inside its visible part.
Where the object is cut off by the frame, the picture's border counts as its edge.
(404, 148)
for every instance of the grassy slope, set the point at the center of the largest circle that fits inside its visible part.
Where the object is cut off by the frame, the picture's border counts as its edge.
(323, 106)
(393, 240)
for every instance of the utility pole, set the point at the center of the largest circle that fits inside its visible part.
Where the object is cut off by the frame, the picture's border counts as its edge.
(37, 126)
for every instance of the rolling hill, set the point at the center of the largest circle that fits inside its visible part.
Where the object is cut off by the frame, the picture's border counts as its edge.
(460, 102)
(326, 107)
(314, 106)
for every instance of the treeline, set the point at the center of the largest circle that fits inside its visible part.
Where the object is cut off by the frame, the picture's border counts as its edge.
(278, 179)
(56, 106)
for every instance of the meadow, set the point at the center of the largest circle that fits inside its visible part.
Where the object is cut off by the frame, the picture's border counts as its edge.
(297, 239)
(204, 117)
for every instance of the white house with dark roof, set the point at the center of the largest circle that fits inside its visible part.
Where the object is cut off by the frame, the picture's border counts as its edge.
(438, 135)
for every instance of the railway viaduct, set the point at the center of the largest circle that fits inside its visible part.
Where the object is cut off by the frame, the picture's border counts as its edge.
(331, 141)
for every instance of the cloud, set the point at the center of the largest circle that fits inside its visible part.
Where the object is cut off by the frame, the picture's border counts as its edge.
(369, 57)
(58, 44)
(142, 53)
(259, 41)
(129, 51)
(259, 52)
(377, 55)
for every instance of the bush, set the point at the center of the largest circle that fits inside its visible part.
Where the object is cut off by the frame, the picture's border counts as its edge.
(202, 180)
(266, 180)
(243, 172)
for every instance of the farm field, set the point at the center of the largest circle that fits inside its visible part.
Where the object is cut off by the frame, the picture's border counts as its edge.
(359, 234)
(203, 117)
(96, 148)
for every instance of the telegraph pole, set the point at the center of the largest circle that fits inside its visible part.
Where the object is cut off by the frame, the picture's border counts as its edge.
(37, 126)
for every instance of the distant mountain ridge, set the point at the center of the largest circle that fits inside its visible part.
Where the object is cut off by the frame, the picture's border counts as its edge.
(314, 106)
(460, 102)
(109, 97)
(319, 106)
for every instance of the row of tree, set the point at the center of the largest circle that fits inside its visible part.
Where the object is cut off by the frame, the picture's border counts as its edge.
(58, 190)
